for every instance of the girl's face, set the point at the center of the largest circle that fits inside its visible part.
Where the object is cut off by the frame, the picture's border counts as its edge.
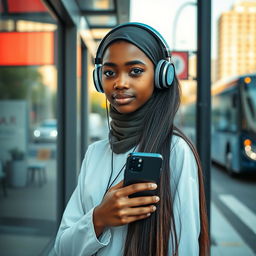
(127, 77)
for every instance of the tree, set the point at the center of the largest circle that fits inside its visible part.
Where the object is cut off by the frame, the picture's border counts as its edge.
(17, 83)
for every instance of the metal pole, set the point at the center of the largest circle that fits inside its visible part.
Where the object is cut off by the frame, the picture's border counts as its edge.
(84, 103)
(203, 109)
(70, 108)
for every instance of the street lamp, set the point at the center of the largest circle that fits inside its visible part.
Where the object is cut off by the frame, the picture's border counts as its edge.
(176, 20)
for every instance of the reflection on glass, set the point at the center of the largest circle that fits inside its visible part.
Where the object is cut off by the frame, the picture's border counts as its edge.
(103, 20)
(28, 130)
(96, 4)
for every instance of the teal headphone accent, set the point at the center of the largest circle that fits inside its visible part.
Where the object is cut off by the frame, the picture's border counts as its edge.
(164, 71)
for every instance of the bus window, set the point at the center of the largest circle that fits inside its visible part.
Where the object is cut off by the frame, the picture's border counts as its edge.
(225, 112)
(234, 100)
(249, 100)
(249, 104)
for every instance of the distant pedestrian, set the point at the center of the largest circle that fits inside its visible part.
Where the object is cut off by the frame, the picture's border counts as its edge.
(134, 70)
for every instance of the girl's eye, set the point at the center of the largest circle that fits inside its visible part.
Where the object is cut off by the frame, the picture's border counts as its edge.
(136, 71)
(109, 73)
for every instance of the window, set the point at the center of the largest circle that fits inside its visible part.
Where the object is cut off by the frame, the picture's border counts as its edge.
(225, 111)
(28, 128)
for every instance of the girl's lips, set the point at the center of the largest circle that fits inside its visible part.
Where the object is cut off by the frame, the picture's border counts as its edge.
(123, 99)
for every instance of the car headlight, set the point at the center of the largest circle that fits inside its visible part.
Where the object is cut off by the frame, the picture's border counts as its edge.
(37, 133)
(53, 133)
(250, 149)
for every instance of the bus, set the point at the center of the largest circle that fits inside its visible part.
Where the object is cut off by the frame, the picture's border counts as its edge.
(234, 123)
(233, 127)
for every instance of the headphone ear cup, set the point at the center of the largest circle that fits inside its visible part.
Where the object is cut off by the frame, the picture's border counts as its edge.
(164, 74)
(170, 73)
(97, 78)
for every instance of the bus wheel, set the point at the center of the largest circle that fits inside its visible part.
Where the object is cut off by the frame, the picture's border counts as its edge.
(229, 164)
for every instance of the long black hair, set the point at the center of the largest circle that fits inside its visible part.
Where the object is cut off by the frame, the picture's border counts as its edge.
(151, 236)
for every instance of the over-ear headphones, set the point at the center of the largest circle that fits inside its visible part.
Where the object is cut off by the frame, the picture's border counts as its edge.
(164, 71)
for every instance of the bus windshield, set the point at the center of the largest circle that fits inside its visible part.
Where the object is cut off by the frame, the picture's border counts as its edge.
(249, 96)
(252, 98)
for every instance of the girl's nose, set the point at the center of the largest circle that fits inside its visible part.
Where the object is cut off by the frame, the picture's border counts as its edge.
(121, 83)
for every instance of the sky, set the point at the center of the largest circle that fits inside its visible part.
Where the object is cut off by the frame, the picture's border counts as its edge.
(160, 15)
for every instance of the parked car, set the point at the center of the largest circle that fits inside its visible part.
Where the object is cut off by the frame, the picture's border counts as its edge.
(46, 131)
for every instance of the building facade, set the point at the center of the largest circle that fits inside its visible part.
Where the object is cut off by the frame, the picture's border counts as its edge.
(237, 40)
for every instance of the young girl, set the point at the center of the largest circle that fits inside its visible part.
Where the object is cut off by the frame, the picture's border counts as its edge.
(134, 70)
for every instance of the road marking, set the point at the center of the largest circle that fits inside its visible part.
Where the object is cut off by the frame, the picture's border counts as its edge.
(240, 210)
(226, 239)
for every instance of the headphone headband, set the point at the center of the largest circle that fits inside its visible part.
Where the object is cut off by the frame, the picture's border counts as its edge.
(164, 69)
(152, 31)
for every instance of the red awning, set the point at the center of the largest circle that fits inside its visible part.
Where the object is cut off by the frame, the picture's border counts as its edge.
(25, 6)
(26, 48)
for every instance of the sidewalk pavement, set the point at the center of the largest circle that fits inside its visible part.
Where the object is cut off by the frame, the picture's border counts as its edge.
(225, 239)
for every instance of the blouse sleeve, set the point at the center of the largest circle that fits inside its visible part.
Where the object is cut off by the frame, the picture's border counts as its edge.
(185, 191)
(76, 234)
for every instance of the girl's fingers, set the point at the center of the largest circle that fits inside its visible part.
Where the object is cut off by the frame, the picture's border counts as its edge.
(139, 211)
(138, 187)
(130, 219)
(118, 185)
(144, 200)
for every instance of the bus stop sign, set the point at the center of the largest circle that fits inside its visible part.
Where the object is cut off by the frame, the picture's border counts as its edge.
(180, 59)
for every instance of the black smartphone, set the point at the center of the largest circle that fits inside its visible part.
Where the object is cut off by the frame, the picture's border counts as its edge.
(143, 167)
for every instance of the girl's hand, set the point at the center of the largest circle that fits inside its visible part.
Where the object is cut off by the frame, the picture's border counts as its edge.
(118, 209)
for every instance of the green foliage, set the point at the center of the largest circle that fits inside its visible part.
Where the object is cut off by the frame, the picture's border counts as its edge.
(19, 82)
(96, 108)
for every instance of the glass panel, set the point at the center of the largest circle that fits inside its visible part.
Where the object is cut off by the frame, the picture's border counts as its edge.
(28, 132)
(95, 5)
(102, 20)
(233, 56)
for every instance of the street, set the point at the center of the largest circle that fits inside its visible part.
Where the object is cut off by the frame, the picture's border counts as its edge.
(233, 200)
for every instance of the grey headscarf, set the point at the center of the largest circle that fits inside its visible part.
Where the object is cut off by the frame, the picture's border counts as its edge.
(138, 36)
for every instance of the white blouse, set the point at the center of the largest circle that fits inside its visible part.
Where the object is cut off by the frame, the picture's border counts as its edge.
(76, 235)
